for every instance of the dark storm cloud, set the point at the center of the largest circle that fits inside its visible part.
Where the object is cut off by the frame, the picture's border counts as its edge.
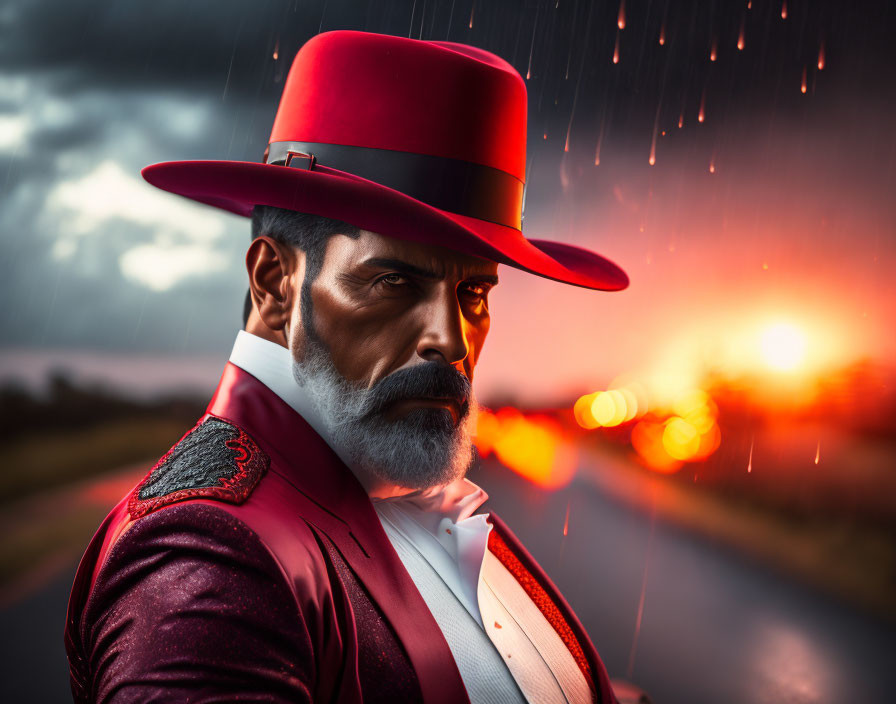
(197, 44)
(170, 42)
(61, 254)
(86, 301)
(210, 46)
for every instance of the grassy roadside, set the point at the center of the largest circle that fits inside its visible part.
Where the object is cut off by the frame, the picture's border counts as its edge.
(38, 462)
(56, 486)
(47, 532)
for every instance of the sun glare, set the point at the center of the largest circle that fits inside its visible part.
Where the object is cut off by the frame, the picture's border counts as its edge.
(783, 346)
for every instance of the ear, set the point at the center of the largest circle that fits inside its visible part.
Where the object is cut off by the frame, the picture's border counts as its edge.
(274, 272)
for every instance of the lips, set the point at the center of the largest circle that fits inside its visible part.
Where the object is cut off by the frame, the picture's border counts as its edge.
(457, 407)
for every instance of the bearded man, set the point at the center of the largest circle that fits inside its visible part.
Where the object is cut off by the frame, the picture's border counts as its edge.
(314, 537)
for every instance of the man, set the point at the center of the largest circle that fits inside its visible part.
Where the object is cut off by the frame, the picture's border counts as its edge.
(313, 537)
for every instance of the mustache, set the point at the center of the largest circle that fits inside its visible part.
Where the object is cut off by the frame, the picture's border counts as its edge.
(424, 380)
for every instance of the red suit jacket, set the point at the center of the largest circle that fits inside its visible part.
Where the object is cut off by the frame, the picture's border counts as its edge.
(249, 564)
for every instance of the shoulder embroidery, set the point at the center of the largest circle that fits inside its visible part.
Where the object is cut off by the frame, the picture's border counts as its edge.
(216, 459)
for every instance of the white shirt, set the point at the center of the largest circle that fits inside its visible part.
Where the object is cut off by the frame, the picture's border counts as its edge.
(504, 647)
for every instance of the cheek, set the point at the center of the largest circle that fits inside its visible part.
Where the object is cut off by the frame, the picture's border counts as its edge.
(366, 342)
(476, 332)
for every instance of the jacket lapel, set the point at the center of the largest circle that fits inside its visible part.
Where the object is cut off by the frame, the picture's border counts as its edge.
(347, 516)
(535, 582)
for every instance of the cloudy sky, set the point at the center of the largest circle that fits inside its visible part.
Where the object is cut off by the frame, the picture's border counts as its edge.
(777, 205)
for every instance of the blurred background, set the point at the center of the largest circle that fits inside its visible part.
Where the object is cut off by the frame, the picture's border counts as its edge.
(705, 463)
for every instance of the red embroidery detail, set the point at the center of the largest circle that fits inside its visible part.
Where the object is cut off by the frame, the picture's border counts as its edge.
(251, 462)
(541, 599)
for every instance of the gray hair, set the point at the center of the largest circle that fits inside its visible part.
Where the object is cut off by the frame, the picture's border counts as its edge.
(304, 231)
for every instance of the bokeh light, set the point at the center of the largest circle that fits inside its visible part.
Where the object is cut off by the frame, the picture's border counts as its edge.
(534, 447)
(685, 430)
(680, 439)
(610, 408)
(647, 439)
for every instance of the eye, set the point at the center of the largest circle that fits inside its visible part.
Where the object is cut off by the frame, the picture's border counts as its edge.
(392, 280)
(475, 291)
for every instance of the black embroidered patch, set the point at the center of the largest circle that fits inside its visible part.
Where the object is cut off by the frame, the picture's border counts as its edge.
(216, 459)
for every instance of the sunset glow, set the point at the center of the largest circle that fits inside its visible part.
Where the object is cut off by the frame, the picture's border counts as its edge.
(783, 346)
(668, 413)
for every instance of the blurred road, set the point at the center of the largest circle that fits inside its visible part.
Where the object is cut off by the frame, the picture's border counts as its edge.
(714, 626)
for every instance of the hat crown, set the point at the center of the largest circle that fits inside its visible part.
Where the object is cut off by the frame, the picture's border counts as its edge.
(417, 140)
(383, 92)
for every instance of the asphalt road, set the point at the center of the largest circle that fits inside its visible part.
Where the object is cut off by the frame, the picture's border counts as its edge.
(714, 626)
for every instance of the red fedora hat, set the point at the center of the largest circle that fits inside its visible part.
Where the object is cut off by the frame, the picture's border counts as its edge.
(417, 140)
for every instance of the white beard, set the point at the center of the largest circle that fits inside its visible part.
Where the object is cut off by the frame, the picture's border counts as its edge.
(420, 450)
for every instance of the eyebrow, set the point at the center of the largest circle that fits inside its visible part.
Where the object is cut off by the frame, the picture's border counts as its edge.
(413, 270)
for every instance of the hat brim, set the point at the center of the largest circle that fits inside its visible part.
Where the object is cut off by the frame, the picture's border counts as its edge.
(238, 186)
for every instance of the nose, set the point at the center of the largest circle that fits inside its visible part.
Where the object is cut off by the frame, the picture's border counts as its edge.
(444, 335)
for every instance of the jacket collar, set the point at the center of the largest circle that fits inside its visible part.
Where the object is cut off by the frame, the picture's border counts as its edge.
(272, 365)
(304, 459)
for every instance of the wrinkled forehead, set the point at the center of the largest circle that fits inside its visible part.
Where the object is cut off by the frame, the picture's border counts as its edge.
(371, 249)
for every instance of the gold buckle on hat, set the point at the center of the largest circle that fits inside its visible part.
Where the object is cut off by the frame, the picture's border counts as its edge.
(291, 155)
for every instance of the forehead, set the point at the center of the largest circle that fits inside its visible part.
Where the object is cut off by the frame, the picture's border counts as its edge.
(346, 252)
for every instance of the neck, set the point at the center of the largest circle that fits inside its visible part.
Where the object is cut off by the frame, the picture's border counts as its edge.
(255, 326)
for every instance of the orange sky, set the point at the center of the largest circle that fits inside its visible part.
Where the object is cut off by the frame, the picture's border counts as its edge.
(797, 228)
